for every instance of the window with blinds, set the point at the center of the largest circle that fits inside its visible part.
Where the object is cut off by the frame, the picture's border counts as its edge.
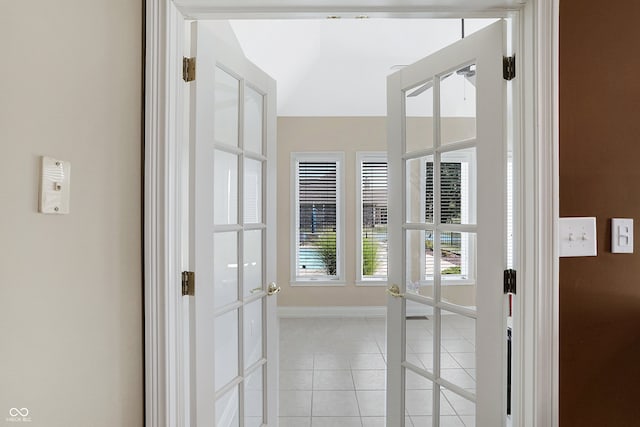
(451, 183)
(318, 219)
(455, 182)
(372, 214)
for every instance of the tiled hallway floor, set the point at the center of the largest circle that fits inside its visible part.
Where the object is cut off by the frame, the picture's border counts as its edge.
(333, 373)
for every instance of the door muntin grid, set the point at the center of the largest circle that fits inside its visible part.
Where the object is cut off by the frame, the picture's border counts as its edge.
(240, 395)
(426, 358)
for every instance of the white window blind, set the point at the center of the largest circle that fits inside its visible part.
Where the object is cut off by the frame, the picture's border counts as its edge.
(373, 187)
(451, 182)
(317, 199)
(454, 201)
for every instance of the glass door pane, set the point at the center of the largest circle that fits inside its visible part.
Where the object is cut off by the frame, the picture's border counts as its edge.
(418, 120)
(458, 105)
(228, 409)
(253, 350)
(253, 120)
(232, 146)
(225, 262)
(254, 399)
(418, 395)
(226, 188)
(253, 271)
(227, 107)
(450, 230)
(458, 186)
(240, 329)
(226, 348)
(252, 191)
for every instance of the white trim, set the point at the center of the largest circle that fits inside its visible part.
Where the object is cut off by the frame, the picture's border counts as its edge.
(321, 282)
(486, 47)
(197, 9)
(538, 262)
(513, 259)
(535, 338)
(164, 364)
(363, 156)
(318, 156)
(371, 283)
(332, 312)
(546, 211)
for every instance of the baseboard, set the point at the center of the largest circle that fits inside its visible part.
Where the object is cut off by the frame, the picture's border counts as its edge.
(418, 310)
(333, 311)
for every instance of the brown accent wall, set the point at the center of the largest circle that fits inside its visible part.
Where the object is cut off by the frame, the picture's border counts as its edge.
(600, 176)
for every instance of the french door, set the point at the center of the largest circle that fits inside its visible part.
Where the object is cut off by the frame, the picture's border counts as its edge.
(447, 159)
(232, 237)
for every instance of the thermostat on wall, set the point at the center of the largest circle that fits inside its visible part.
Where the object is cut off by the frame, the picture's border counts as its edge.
(55, 182)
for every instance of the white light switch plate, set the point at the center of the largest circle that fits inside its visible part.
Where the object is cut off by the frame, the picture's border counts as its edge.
(55, 186)
(622, 235)
(577, 237)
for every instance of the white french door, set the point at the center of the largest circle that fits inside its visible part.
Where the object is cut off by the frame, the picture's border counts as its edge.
(233, 345)
(447, 160)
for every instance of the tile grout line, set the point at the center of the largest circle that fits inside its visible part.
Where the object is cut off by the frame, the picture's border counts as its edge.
(355, 393)
(313, 377)
(366, 339)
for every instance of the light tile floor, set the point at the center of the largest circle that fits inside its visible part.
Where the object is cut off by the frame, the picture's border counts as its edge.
(333, 372)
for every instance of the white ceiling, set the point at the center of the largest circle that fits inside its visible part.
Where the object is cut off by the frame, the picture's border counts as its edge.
(338, 67)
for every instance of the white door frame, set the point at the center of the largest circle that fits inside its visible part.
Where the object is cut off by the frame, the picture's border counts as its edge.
(536, 392)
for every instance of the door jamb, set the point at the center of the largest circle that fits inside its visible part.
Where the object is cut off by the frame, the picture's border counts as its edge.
(163, 217)
(166, 397)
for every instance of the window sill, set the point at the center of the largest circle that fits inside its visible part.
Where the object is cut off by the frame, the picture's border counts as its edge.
(454, 282)
(371, 283)
(319, 282)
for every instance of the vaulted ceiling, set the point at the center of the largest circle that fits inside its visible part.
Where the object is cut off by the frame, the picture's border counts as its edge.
(338, 67)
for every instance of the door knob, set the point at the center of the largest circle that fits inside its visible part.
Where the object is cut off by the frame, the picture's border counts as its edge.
(394, 291)
(273, 289)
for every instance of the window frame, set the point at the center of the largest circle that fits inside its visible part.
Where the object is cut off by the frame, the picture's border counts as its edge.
(328, 156)
(364, 156)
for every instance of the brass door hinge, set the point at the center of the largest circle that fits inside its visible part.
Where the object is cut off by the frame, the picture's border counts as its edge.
(188, 283)
(509, 67)
(188, 69)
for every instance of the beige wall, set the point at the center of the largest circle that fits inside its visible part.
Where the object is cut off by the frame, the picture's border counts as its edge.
(348, 135)
(71, 286)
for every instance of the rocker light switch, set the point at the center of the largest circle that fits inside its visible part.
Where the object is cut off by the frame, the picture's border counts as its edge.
(622, 235)
(577, 237)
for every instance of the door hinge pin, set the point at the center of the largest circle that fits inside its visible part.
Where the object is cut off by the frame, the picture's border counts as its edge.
(509, 67)
(188, 283)
(188, 69)
(510, 281)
